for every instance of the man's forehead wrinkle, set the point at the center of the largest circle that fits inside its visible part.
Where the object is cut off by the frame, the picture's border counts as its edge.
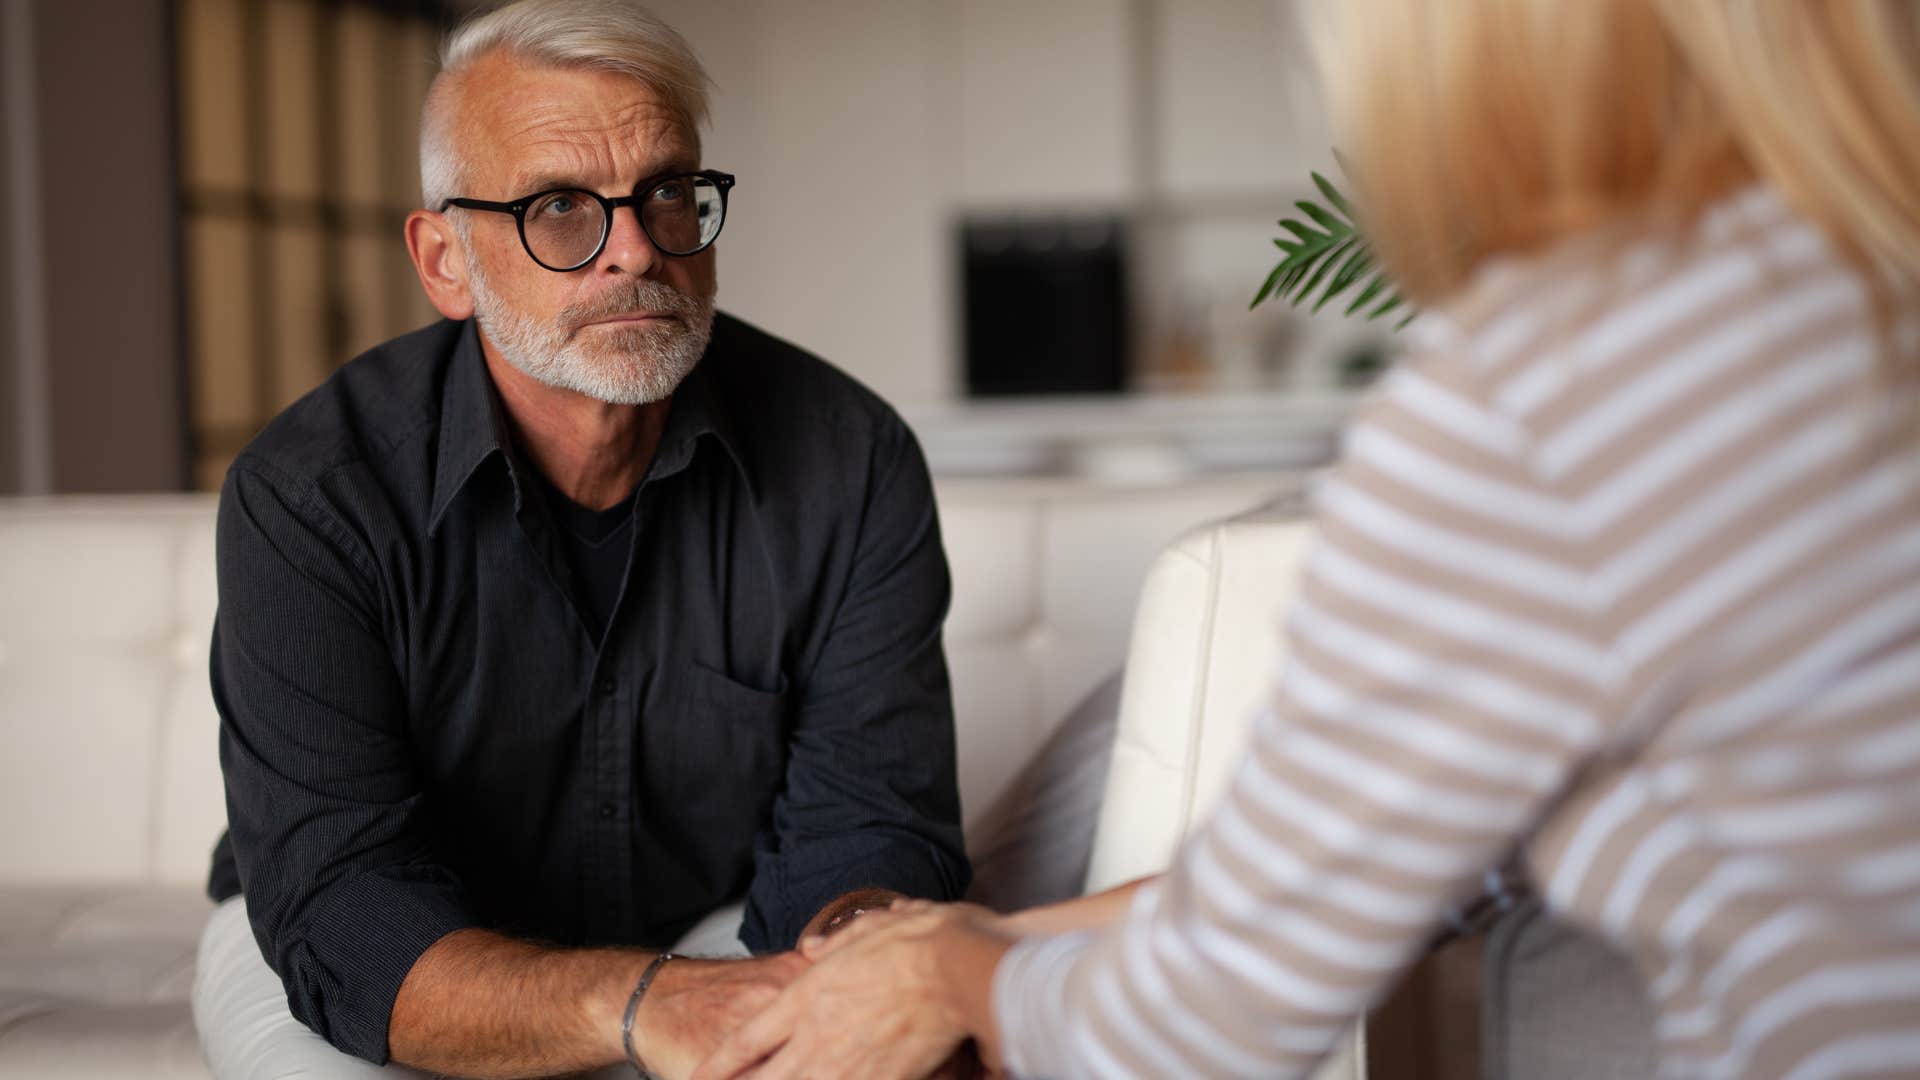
(642, 122)
(557, 138)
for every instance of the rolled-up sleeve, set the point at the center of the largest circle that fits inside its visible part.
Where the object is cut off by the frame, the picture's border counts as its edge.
(871, 799)
(323, 805)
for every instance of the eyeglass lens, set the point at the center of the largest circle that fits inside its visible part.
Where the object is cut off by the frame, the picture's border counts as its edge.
(680, 216)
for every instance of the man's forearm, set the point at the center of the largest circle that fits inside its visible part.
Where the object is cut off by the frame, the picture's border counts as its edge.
(483, 1005)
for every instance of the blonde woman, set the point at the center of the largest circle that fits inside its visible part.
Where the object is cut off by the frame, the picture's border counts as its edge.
(1620, 567)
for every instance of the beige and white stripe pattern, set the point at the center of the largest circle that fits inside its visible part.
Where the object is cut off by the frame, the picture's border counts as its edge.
(1622, 567)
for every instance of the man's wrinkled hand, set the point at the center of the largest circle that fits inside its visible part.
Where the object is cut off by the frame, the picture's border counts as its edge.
(876, 1007)
(693, 1005)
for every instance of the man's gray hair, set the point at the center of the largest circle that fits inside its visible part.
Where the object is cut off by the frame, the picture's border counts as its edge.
(599, 35)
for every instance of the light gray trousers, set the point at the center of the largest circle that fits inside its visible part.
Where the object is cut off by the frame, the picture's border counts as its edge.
(240, 1007)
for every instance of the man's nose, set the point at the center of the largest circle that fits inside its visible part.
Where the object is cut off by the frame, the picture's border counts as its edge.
(628, 249)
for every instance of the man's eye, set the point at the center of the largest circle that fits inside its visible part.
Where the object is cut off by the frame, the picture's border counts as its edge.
(671, 193)
(556, 206)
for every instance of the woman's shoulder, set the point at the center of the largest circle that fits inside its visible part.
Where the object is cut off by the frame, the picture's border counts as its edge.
(1646, 315)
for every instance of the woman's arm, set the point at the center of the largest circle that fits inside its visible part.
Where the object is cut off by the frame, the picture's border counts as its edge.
(1447, 666)
(1095, 911)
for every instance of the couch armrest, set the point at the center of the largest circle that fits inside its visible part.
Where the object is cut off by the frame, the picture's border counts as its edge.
(1206, 646)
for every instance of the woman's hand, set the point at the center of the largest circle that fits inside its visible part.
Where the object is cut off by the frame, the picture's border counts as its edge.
(890, 997)
(817, 947)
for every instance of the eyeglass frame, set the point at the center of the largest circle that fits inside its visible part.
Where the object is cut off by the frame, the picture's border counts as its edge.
(519, 207)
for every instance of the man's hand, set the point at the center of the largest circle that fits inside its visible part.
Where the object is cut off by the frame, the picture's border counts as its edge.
(965, 1064)
(893, 1001)
(693, 1005)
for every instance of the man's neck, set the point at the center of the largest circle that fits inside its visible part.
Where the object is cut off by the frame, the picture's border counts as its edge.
(593, 452)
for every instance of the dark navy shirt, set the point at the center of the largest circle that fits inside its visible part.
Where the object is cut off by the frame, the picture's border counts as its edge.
(421, 730)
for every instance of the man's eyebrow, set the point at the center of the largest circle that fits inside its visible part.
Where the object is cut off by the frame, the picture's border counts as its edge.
(528, 185)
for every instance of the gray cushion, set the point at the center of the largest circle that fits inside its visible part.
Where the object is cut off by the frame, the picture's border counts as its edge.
(1560, 1002)
(1033, 844)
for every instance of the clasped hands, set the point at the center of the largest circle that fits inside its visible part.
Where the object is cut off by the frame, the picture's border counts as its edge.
(894, 995)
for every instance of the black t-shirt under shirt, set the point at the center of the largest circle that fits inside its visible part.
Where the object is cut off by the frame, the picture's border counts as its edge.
(596, 544)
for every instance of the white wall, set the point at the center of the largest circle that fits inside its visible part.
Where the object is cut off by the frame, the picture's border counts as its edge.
(861, 129)
(828, 114)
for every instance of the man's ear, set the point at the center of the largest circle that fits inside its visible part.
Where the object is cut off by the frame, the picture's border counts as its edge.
(441, 262)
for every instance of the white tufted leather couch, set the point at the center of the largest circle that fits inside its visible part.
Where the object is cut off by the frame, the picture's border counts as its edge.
(110, 793)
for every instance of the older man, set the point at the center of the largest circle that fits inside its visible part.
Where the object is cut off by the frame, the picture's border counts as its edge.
(550, 629)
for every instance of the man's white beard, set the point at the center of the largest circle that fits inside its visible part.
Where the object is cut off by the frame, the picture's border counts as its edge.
(624, 365)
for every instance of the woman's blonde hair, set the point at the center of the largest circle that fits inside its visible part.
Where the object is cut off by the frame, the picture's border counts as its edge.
(1497, 126)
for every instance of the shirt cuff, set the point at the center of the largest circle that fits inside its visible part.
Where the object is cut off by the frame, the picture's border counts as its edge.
(1029, 1003)
(781, 901)
(345, 973)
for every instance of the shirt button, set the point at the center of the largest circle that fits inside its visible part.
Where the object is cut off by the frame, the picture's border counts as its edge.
(607, 809)
(605, 686)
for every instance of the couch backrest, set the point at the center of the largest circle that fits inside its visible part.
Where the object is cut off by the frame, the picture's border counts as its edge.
(108, 769)
(1046, 575)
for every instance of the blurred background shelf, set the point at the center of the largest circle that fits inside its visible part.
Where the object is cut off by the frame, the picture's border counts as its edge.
(1146, 438)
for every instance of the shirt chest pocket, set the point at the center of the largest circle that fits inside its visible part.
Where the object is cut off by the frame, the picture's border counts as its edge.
(729, 746)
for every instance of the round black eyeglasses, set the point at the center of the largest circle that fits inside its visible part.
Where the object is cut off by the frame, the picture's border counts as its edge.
(564, 229)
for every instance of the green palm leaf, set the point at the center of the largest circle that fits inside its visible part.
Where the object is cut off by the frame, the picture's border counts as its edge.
(1328, 254)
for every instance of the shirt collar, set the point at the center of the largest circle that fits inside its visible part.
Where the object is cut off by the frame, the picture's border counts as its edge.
(473, 426)
(699, 410)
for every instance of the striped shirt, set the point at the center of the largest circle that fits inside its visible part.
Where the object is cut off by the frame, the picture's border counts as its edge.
(1621, 569)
